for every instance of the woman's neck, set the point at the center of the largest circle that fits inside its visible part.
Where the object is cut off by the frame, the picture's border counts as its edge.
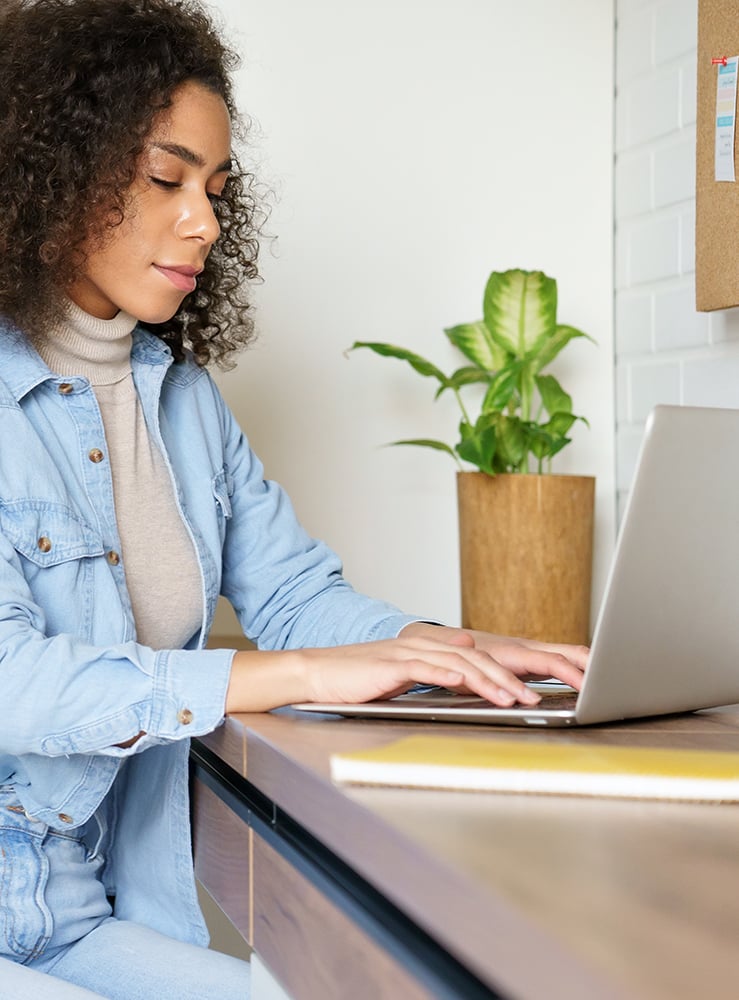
(77, 343)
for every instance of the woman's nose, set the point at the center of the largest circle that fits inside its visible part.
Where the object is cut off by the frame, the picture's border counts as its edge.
(198, 220)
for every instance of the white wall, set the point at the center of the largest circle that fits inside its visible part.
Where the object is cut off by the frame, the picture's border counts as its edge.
(416, 145)
(666, 352)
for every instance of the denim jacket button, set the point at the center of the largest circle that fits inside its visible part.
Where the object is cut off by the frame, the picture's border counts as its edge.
(20, 809)
(113, 558)
(96, 455)
(44, 544)
(65, 388)
(184, 716)
(65, 819)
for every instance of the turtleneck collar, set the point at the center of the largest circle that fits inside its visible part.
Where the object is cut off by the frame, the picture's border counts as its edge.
(77, 343)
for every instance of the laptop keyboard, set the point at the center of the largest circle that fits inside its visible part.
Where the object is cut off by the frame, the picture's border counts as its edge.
(554, 700)
(557, 700)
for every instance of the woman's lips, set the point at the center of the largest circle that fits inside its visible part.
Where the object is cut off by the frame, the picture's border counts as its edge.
(183, 278)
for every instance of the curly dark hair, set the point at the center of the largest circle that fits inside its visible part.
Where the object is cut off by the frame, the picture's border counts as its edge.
(81, 82)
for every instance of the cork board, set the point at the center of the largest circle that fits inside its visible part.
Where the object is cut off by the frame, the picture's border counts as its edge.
(716, 202)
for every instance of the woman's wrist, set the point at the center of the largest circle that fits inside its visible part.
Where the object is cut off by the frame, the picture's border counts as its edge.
(421, 629)
(262, 680)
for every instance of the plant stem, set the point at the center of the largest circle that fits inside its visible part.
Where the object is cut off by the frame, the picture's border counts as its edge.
(526, 395)
(462, 407)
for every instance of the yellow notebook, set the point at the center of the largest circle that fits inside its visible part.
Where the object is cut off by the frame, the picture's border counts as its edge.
(555, 768)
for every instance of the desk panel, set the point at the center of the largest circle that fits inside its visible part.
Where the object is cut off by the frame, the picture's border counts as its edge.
(222, 844)
(330, 957)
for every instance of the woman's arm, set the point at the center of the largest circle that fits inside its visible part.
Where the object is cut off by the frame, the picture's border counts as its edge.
(486, 665)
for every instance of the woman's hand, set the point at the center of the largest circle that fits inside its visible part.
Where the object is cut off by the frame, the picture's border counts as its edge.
(526, 658)
(467, 661)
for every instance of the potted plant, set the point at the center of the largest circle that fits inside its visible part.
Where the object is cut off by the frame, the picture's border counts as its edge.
(525, 534)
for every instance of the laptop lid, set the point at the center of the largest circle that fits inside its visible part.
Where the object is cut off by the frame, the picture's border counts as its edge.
(667, 635)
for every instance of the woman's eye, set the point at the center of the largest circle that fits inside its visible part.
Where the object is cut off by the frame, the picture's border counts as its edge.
(161, 182)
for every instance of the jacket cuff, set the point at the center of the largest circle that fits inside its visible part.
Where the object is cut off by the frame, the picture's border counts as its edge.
(189, 692)
(391, 627)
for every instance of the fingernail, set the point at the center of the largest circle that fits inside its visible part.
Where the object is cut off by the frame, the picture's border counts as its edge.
(530, 697)
(506, 698)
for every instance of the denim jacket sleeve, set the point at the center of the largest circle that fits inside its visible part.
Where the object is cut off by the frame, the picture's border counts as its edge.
(72, 680)
(64, 696)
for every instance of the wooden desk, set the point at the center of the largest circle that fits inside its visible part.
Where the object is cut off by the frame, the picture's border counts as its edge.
(388, 893)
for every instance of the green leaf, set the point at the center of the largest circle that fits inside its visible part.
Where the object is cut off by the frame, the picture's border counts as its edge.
(419, 364)
(551, 437)
(427, 443)
(541, 443)
(560, 424)
(513, 441)
(462, 377)
(553, 396)
(559, 445)
(477, 445)
(520, 310)
(502, 388)
(561, 336)
(476, 343)
(547, 447)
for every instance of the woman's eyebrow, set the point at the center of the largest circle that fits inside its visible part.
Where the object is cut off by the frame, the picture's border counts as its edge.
(190, 157)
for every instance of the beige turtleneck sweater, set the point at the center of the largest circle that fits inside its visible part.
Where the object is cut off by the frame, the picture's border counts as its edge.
(157, 554)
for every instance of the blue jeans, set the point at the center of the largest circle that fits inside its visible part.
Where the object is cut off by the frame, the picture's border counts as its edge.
(55, 919)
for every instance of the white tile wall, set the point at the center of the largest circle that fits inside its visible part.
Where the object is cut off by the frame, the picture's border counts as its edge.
(650, 384)
(626, 7)
(634, 55)
(674, 169)
(688, 91)
(653, 105)
(675, 29)
(634, 324)
(666, 352)
(676, 323)
(654, 248)
(712, 381)
(633, 183)
(723, 325)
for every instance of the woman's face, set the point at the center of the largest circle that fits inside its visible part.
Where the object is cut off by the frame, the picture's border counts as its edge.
(149, 263)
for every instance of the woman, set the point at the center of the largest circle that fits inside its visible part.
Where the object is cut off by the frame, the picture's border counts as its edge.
(129, 500)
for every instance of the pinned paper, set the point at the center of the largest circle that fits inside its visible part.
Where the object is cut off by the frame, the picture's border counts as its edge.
(726, 118)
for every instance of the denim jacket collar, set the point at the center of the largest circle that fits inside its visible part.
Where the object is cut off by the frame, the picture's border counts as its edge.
(23, 369)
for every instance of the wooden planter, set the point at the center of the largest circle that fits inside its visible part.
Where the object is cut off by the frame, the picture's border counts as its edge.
(526, 552)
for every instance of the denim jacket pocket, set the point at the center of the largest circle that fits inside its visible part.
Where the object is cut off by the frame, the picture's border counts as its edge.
(26, 923)
(47, 533)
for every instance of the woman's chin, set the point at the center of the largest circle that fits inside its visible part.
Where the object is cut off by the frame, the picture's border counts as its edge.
(155, 315)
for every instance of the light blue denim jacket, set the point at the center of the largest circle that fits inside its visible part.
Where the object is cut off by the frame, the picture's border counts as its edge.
(74, 680)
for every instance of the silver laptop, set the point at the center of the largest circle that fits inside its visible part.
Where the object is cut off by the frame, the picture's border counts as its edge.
(667, 634)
